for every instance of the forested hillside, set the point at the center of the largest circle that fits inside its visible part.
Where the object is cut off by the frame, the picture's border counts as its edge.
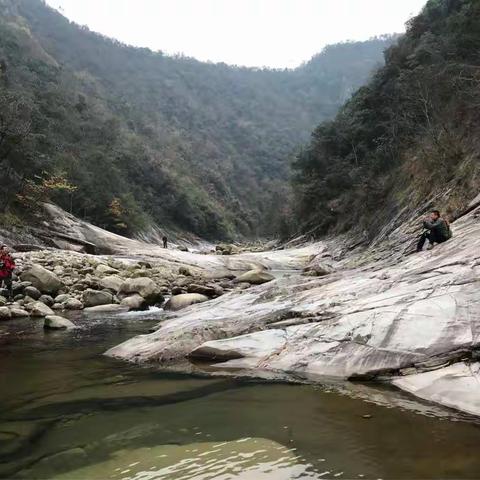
(409, 135)
(126, 137)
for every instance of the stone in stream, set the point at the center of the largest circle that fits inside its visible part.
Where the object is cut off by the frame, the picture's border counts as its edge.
(134, 302)
(62, 298)
(39, 309)
(178, 302)
(254, 277)
(55, 322)
(17, 312)
(93, 298)
(42, 279)
(103, 269)
(5, 313)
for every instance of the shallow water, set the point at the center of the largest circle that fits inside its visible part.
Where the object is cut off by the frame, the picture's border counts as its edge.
(68, 412)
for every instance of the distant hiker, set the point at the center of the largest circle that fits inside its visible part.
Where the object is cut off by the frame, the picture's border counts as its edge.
(7, 266)
(438, 231)
(165, 241)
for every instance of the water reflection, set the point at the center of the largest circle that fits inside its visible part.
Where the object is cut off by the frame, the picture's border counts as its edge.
(70, 413)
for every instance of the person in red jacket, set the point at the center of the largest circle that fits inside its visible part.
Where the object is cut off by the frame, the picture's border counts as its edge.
(7, 266)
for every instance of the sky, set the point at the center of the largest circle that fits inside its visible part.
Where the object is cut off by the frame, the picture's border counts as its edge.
(272, 33)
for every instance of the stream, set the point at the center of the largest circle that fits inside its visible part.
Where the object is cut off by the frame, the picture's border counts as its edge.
(68, 412)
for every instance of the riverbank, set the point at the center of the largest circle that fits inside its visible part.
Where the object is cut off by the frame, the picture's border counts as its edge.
(330, 309)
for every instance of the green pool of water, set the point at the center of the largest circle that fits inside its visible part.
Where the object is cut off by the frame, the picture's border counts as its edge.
(70, 413)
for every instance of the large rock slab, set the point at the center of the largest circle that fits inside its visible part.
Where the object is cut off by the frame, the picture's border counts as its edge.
(456, 386)
(42, 279)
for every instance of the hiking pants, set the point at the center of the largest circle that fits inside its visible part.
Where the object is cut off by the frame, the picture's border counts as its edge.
(7, 283)
(431, 237)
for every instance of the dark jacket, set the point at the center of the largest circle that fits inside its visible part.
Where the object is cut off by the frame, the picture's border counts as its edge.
(440, 229)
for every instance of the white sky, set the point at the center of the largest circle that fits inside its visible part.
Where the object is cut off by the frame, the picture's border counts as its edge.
(274, 33)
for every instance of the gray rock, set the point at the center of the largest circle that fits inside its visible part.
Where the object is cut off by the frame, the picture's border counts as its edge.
(39, 309)
(103, 269)
(3, 301)
(55, 322)
(178, 302)
(42, 279)
(73, 304)
(17, 312)
(255, 277)
(47, 300)
(134, 302)
(93, 298)
(5, 313)
(32, 292)
(207, 290)
(144, 286)
(185, 271)
(62, 298)
(112, 282)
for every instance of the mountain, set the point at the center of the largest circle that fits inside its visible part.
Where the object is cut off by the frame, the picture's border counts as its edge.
(406, 140)
(128, 138)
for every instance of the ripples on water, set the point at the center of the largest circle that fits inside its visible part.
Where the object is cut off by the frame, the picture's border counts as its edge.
(70, 413)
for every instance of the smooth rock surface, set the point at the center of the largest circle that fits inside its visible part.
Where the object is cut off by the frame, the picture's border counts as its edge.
(380, 313)
(55, 322)
(254, 277)
(42, 279)
(178, 302)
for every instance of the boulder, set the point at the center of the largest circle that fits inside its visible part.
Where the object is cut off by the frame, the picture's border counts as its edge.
(17, 312)
(103, 269)
(55, 322)
(134, 302)
(62, 298)
(112, 282)
(73, 304)
(42, 279)
(255, 277)
(47, 300)
(3, 301)
(32, 292)
(5, 313)
(93, 298)
(177, 302)
(19, 287)
(185, 271)
(39, 309)
(144, 286)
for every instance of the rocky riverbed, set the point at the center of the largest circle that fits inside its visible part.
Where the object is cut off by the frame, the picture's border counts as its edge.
(334, 311)
(376, 314)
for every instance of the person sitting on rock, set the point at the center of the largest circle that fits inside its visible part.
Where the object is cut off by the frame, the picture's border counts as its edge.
(437, 231)
(7, 266)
